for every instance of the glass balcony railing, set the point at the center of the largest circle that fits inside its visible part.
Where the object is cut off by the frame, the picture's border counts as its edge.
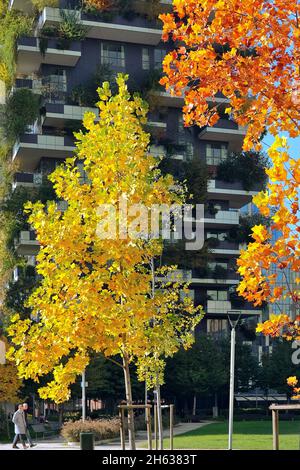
(138, 30)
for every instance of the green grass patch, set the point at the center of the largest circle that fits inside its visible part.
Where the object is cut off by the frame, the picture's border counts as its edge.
(248, 435)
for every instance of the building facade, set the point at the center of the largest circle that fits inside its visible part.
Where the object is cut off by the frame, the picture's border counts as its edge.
(62, 74)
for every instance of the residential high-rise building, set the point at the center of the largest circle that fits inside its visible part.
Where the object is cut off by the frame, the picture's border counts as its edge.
(65, 72)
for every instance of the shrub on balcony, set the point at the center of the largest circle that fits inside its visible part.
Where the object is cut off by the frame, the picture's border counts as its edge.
(86, 94)
(12, 26)
(194, 172)
(219, 272)
(21, 110)
(70, 27)
(242, 232)
(246, 167)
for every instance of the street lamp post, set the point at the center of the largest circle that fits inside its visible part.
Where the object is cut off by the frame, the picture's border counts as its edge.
(233, 325)
(83, 395)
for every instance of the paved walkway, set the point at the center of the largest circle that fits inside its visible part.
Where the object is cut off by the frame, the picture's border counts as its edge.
(60, 444)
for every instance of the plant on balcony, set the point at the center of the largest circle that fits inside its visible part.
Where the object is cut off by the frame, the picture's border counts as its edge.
(86, 94)
(13, 25)
(19, 291)
(99, 5)
(243, 232)
(151, 9)
(175, 253)
(219, 272)
(236, 300)
(210, 207)
(70, 27)
(193, 172)
(21, 110)
(246, 167)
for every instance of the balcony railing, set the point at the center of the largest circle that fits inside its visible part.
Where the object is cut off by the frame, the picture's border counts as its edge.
(30, 58)
(232, 192)
(221, 307)
(225, 131)
(139, 30)
(56, 114)
(26, 243)
(30, 148)
(223, 218)
(27, 180)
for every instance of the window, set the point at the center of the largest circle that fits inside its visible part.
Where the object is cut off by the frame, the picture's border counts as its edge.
(54, 86)
(113, 54)
(159, 55)
(217, 326)
(217, 295)
(145, 59)
(216, 153)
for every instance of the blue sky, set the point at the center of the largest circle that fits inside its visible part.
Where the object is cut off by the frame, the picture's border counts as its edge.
(293, 143)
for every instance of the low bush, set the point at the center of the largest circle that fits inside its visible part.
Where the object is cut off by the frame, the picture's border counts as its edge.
(102, 429)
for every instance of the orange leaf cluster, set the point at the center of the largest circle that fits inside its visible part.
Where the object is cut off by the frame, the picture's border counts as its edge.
(247, 50)
(270, 265)
(293, 382)
(101, 5)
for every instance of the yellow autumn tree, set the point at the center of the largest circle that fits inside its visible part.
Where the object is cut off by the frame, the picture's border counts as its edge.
(10, 383)
(95, 293)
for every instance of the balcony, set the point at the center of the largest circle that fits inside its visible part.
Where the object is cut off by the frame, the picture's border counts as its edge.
(221, 307)
(22, 5)
(156, 128)
(29, 150)
(57, 115)
(27, 180)
(119, 29)
(30, 58)
(26, 244)
(208, 276)
(172, 101)
(232, 192)
(221, 219)
(225, 131)
(226, 249)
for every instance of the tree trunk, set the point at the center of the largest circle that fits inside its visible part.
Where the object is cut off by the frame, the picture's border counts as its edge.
(60, 415)
(131, 431)
(216, 408)
(194, 405)
(159, 418)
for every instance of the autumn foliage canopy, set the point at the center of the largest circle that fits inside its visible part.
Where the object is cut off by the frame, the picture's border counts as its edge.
(247, 50)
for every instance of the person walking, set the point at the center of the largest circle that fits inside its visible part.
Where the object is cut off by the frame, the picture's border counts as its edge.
(20, 427)
(28, 437)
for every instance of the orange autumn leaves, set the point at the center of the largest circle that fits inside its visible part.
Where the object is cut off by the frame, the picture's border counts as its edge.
(261, 282)
(247, 50)
(101, 5)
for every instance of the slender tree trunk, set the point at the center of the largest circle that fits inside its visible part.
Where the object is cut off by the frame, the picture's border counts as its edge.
(194, 405)
(60, 414)
(159, 418)
(216, 408)
(131, 430)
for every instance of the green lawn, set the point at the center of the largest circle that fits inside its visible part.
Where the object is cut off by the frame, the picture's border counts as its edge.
(248, 435)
